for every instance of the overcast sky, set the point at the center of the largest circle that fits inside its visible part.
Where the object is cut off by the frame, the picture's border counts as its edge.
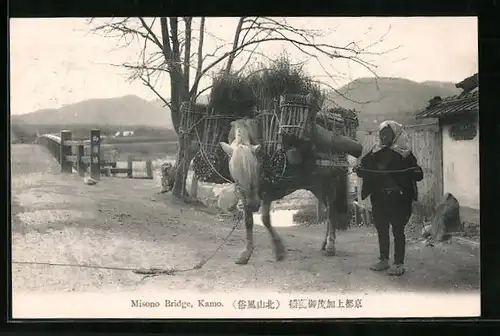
(57, 61)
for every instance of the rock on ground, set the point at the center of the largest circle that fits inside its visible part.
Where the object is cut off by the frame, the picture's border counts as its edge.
(446, 218)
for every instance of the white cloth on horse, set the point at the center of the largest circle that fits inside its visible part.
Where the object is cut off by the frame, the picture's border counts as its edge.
(89, 180)
(227, 198)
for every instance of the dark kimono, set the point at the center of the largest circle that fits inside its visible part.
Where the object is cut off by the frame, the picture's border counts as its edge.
(386, 159)
(391, 194)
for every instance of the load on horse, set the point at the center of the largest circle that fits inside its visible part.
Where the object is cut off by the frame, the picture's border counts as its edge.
(309, 153)
(270, 144)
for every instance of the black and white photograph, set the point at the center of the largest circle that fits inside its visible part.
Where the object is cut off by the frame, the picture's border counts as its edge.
(244, 167)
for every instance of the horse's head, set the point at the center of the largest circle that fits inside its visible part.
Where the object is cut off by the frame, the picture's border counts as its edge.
(244, 131)
(244, 165)
(245, 170)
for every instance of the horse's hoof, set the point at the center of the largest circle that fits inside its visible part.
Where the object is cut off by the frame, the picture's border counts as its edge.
(280, 255)
(243, 257)
(241, 261)
(330, 251)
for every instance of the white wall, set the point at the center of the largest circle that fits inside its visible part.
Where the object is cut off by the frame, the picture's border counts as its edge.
(461, 168)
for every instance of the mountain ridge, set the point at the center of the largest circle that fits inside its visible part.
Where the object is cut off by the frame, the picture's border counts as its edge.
(374, 98)
(128, 110)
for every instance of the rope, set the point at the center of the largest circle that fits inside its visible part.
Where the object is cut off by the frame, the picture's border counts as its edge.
(387, 171)
(151, 272)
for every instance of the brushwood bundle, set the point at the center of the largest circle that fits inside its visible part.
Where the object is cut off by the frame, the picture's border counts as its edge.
(232, 95)
(231, 98)
(270, 81)
(276, 87)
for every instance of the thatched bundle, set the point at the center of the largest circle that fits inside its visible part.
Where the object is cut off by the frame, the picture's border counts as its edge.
(231, 98)
(281, 77)
(232, 95)
(275, 87)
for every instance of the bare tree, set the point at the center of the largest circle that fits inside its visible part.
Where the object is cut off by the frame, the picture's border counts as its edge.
(168, 50)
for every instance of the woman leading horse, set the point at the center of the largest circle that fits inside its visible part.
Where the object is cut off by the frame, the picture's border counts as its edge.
(390, 172)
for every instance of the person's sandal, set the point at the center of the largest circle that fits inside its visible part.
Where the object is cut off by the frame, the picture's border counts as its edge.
(380, 266)
(396, 270)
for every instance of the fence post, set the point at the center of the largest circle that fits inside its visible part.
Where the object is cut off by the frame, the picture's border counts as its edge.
(149, 169)
(80, 165)
(95, 154)
(66, 166)
(130, 160)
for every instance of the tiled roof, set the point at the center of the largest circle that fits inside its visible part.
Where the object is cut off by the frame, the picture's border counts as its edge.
(469, 83)
(452, 106)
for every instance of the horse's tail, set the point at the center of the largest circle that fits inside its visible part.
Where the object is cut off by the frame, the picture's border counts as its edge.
(341, 202)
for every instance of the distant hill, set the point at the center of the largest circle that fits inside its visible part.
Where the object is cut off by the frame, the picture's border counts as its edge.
(374, 99)
(14, 138)
(389, 98)
(202, 99)
(124, 111)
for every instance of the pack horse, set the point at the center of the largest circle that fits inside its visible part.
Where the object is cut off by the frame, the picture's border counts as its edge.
(300, 139)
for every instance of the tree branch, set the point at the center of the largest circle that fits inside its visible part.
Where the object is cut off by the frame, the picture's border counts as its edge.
(333, 54)
(199, 64)
(148, 84)
(165, 36)
(237, 33)
(187, 50)
(249, 34)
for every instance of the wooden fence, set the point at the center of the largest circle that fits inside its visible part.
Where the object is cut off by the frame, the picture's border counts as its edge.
(426, 144)
(62, 147)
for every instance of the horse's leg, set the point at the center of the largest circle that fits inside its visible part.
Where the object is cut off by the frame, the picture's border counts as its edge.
(322, 202)
(245, 255)
(323, 244)
(320, 210)
(331, 223)
(278, 247)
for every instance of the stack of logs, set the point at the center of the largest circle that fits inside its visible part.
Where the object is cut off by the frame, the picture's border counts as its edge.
(295, 129)
(336, 137)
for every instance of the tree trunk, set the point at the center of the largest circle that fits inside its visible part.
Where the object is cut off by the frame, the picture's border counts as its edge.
(187, 51)
(231, 57)
(199, 64)
(179, 93)
(185, 154)
(179, 190)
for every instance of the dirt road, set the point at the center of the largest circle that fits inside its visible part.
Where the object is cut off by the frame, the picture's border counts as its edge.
(122, 223)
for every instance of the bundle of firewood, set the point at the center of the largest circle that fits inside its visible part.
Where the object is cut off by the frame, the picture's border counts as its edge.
(211, 165)
(273, 166)
(231, 98)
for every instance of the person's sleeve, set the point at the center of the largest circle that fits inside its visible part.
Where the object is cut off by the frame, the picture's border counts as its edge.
(417, 172)
(365, 163)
